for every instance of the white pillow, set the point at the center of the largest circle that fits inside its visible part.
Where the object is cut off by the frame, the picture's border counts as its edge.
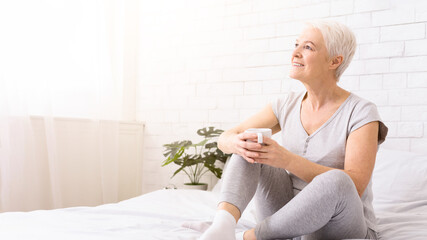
(399, 185)
(399, 176)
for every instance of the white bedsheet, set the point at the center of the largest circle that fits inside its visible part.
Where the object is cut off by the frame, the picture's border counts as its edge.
(157, 215)
(400, 203)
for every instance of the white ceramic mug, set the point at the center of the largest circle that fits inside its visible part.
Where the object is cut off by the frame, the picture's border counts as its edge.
(260, 132)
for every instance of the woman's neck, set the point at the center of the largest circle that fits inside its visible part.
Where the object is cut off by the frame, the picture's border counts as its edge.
(318, 97)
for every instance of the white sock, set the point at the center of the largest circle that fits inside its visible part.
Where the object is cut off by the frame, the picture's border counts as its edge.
(203, 226)
(223, 227)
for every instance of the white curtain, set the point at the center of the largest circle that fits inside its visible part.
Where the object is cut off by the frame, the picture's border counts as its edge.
(62, 60)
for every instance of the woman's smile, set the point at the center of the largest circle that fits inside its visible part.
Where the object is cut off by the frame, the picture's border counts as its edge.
(296, 64)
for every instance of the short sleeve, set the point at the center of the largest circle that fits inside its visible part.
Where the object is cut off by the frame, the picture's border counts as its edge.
(364, 113)
(278, 105)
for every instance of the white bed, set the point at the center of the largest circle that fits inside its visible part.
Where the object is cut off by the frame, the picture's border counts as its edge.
(400, 201)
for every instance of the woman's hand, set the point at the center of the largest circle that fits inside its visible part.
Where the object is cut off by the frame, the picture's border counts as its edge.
(245, 144)
(271, 153)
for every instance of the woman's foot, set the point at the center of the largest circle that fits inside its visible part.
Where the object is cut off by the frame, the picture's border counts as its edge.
(223, 227)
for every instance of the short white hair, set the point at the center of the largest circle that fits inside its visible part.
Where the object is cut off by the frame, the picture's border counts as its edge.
(339, 40)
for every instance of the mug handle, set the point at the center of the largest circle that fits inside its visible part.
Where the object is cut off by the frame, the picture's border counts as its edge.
(260, 138)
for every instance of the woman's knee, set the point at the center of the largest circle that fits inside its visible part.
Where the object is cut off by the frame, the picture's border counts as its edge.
(237, 160)
(335, 179)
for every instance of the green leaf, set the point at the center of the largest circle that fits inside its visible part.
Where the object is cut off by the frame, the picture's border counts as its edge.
(177, 171)
(210, 158)
(174, 158)
(216, 171)
(211, 145)
(200, 144)
(172, 148)
(209, 132)
(190, 160)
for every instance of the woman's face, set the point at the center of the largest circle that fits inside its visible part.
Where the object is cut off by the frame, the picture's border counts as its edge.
(310, 56)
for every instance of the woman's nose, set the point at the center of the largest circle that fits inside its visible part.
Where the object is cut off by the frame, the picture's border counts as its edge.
(296, 53)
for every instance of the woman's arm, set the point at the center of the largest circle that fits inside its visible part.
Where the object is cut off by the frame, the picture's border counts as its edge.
(234, 140)
(360, 155)
(361, 150)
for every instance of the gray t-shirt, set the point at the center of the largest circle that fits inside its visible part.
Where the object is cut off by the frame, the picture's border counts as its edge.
(326, 146)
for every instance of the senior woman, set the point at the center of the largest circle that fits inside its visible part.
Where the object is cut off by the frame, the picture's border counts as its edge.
(318, 184)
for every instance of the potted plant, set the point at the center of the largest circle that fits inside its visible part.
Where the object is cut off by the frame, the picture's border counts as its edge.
(197, 159)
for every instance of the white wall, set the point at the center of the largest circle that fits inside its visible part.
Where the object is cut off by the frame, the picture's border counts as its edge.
(216, 62)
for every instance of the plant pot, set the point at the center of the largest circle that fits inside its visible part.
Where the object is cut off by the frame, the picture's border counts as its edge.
(200, 186)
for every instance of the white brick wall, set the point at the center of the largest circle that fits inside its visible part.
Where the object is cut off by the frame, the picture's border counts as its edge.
(404, 32)
(217, 62)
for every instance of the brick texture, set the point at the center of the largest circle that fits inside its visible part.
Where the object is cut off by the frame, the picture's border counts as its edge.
(215, 63)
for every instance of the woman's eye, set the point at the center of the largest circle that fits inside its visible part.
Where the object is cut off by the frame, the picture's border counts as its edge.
(296, 45)
(308, 47)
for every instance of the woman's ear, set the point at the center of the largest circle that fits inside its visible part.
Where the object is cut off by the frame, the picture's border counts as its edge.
(335, 62)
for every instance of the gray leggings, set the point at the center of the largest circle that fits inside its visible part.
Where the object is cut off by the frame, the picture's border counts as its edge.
(329, 207)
